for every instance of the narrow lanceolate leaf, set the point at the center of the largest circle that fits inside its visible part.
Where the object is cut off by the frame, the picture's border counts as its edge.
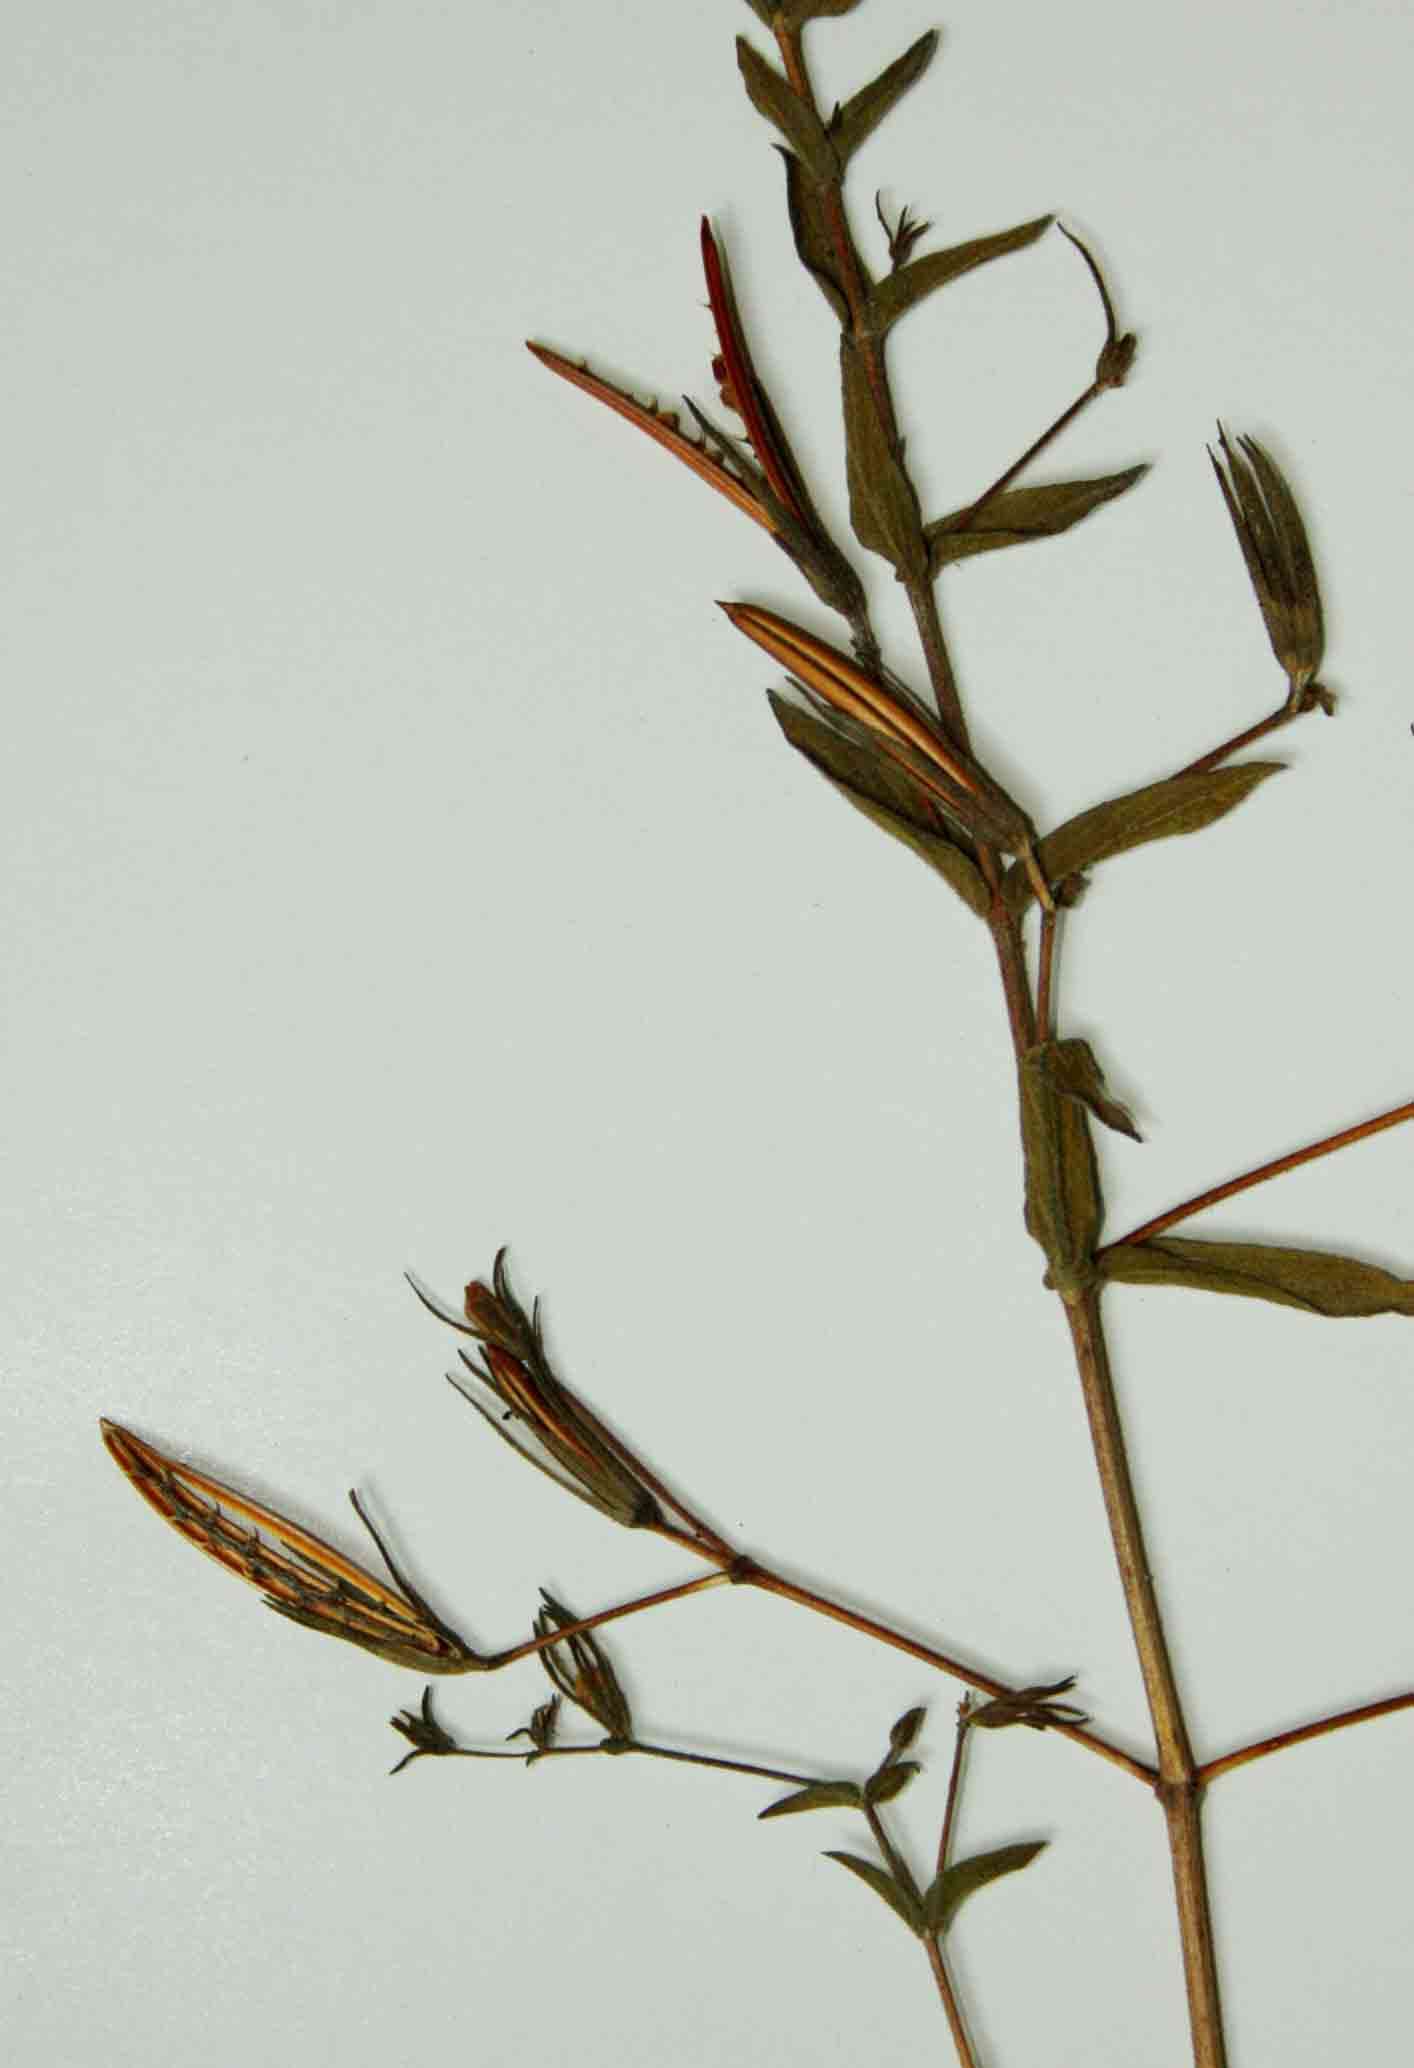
(300, 1576)
(820, 1795)
(1019, 515)
(880, 790)
(1316, 1281)
(891, 1780)
(862, 113)
(1072, 1069)
(883, 504)
(903, 290)
(662, 426)
(772, 95)
(1179, 804)
(952, 1888)
(814, 246)
(901, 1901)
(1063, 1206)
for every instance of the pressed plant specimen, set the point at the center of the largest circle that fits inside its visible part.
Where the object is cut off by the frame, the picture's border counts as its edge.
(906, 759)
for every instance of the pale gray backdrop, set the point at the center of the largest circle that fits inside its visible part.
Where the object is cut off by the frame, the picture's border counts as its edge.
(400, 860)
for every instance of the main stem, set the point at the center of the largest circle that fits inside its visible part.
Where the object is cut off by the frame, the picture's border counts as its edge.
(1179, 1786)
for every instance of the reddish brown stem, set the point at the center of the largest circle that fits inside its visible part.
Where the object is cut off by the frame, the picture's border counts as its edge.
(1325, 1147)
(1045, 973)
(1245, 1754)
(605, 1615)
(1033, 450)
(1283, 715)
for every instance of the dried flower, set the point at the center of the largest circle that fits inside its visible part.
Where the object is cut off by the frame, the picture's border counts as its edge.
(423, 1732)
(557, 1432)
(1275, 547)
(1033, 1706)
(541, 1728)
(900, 728)
(300, 1575)
(583, 1673)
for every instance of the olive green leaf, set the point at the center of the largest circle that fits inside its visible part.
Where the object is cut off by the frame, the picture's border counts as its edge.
(883, 503)
(820, 1795)
(772, 95)
(879, 788)
(901, 291)
(1072, 1069)
(862, 113)
(1179, 804)
(813, 244)
(891, 1779)
(900, 1900)
(1063, 1206)
(954, 1885)
(1317, 1281)
(1019, 515)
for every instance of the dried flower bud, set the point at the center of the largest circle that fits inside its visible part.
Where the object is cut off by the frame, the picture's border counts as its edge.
(1274, 545)
(423, 1732)
(555, 1431)
(900, 728)
(579, 1668)
(1032, 1706)
(300, 1575)
(542, 1726)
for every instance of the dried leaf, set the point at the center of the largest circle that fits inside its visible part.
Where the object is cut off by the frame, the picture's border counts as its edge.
(1317, 1281)
(862, 113)
(883, 504)
(951, 1889)
(1063, 1205)
(901, 1901)
(772, 95)
(882, 791)
(1179, 804)
(820, 1795)
(891, 1779)
(1019, 515)
(1072, 1069)
(903, 290)
(813, 244)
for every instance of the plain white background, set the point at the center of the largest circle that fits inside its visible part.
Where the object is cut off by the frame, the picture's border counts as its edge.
(400, 860)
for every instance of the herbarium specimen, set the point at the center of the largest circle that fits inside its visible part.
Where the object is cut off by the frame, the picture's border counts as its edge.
(907, 761)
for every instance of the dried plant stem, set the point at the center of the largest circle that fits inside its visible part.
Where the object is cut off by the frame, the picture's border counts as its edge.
(952, 2009)
(898, 1640)
(1033, 450)
(1180, 1784)
(870, 347)
(1229, 1190)
(605, 1615)
(903, 1875)
(1245, 1754)
(730, 1766)
(959, 1753)
(1045, 972)
(1283, 715)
